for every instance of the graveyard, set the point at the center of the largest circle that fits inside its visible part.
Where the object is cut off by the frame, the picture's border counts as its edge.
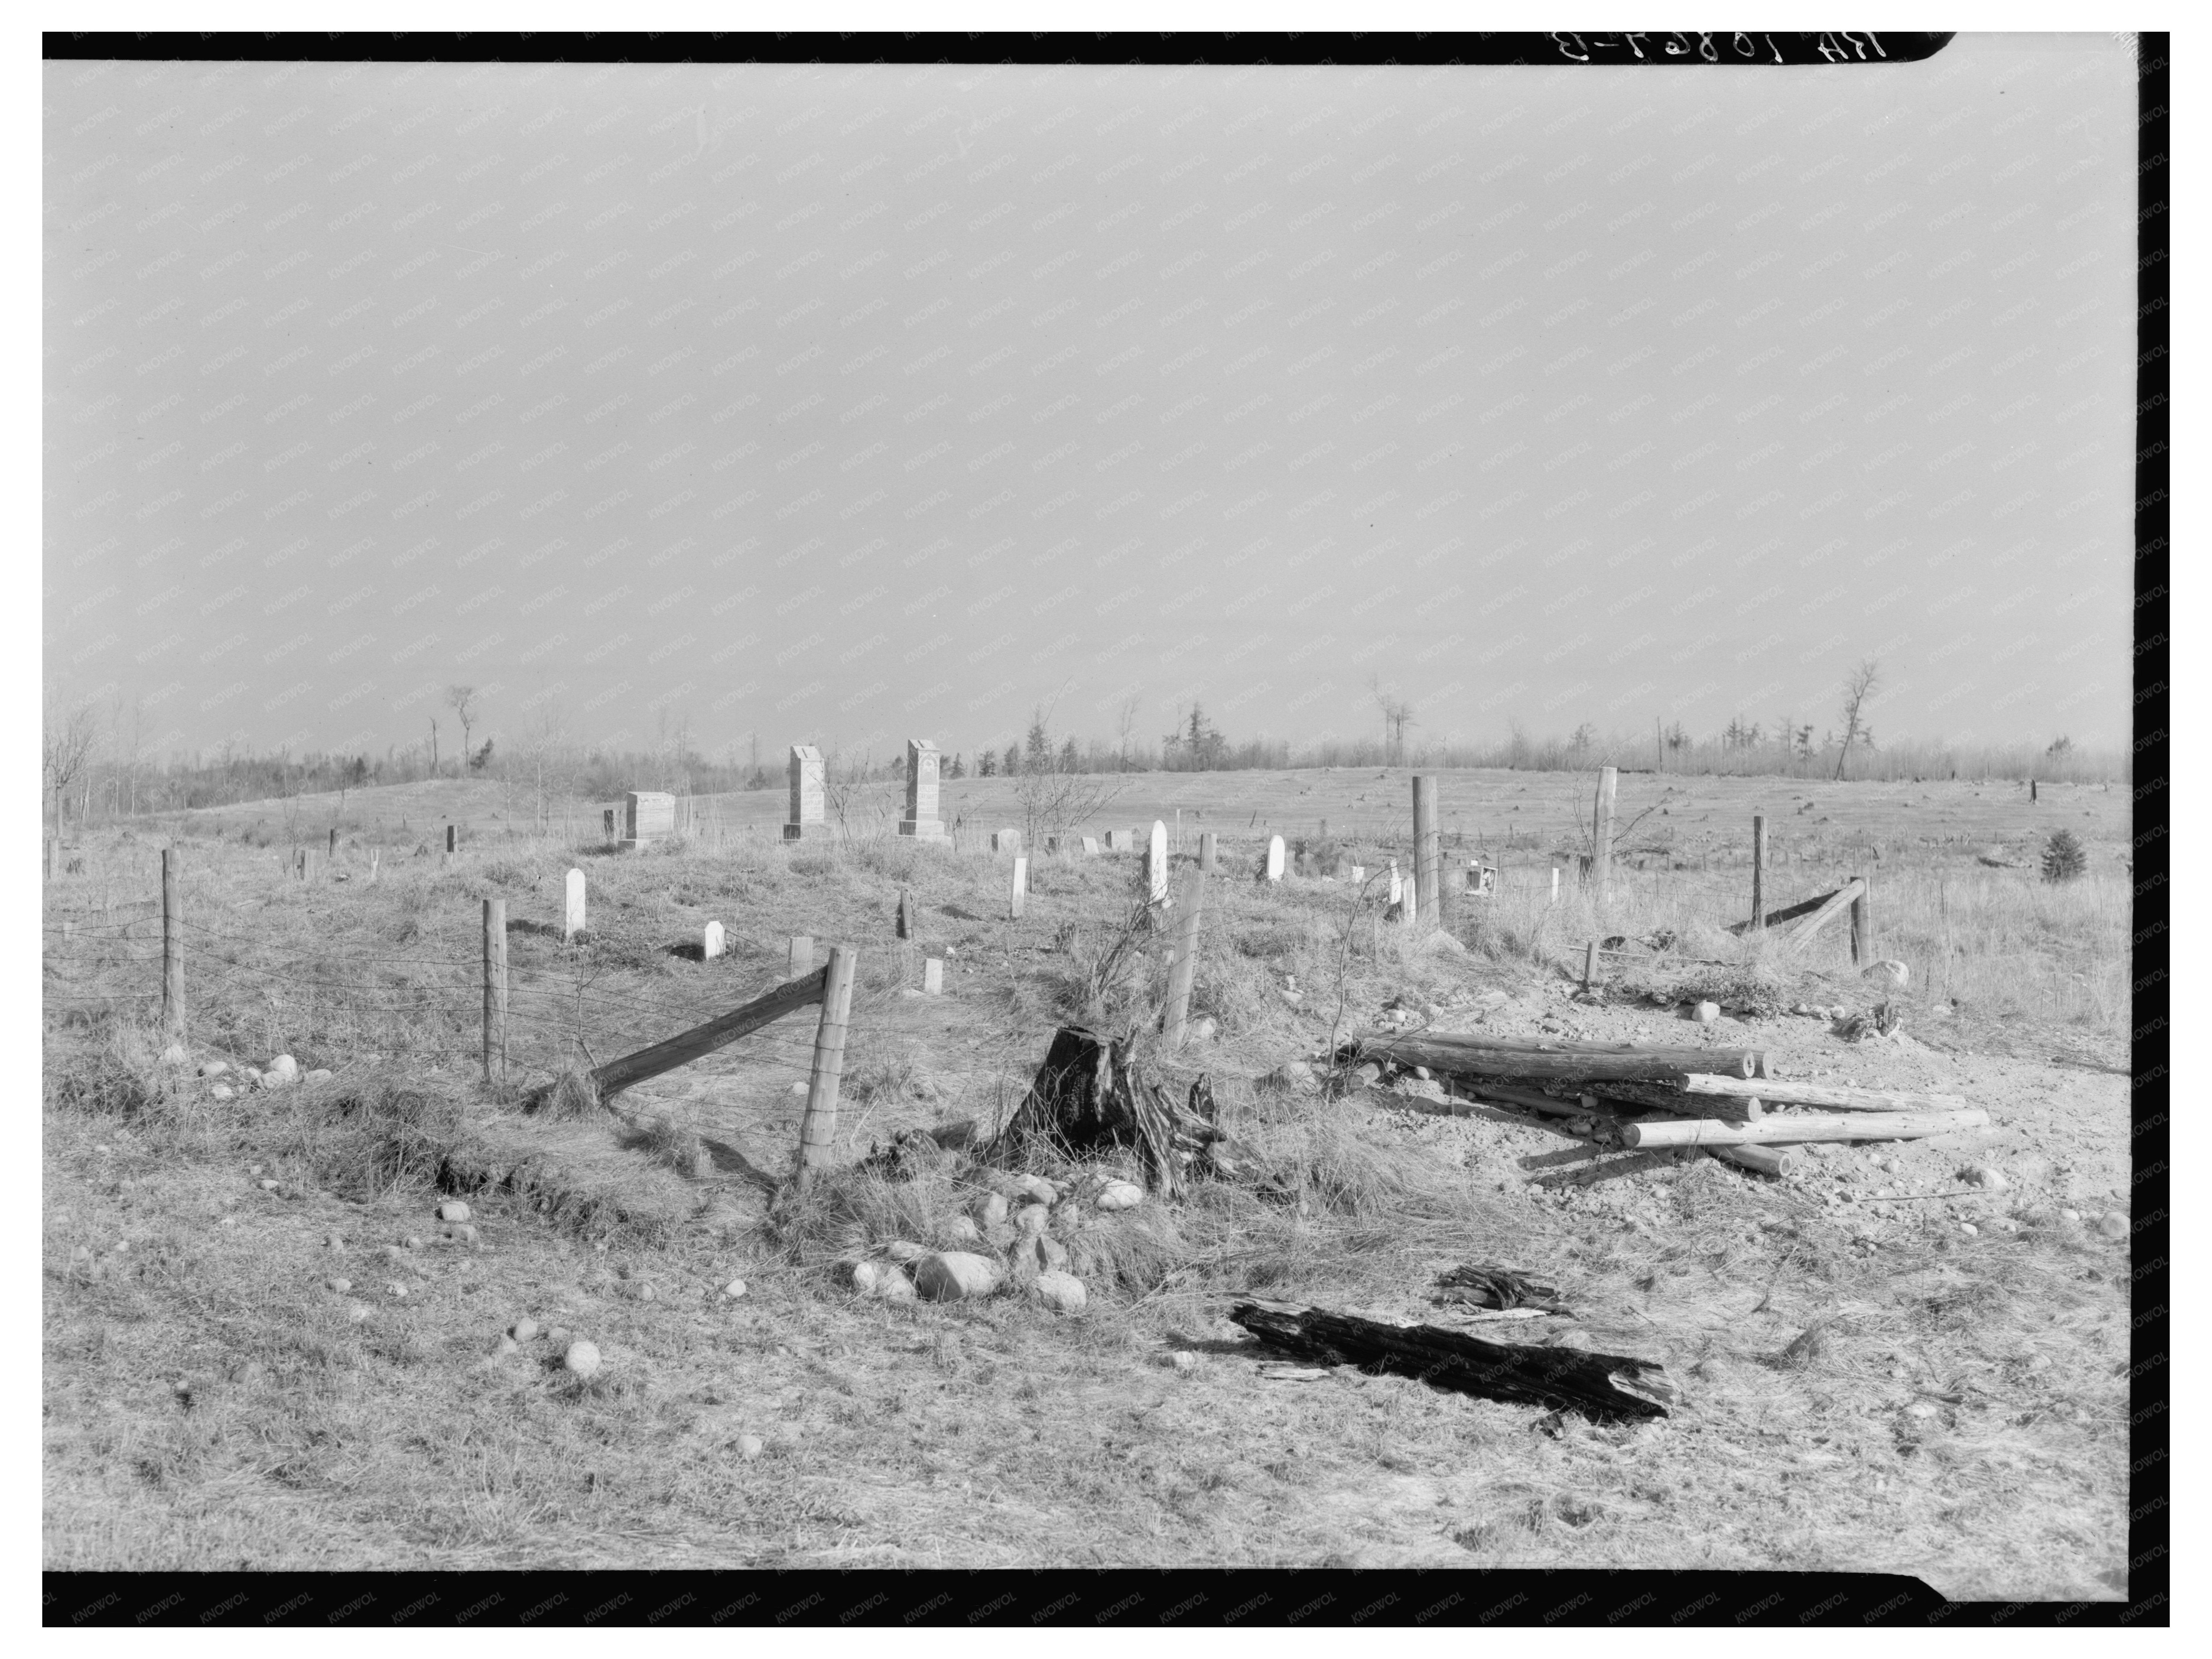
(465, 1280)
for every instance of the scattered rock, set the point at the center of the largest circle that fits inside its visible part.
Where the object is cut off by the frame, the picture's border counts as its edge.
(1202, 1029)
(1183, 1360)
(523, 1329)
(1040, 1252)
(214, 1067)
(962, 1231)
(337, 1287)
(413, 1241)
(1292, 1076)
(335, 1242)
(645, 1292)
(992, 1210)
(2111, 1226)
(1987, 1176)
(1893, 973)
(1036, 1188)
(582, 1359)
(358, 1313)
(223, 1091)
(504, 1344)
(398, 1291)
(905, 1249)
(2040, 1363)
(1031, 1219)
(1920, 1408)
(285, 1067)
(749, 1446)
(1969, 1229)
(1706, 1012)
(453, 1211)
(1059, 1291)
(558, 1336)
(2073, 1216)
(955, 1275)
(174, 1054)
(266, 1185)
(734, 1289)
(1120, 1195)
(798, 1088)
(1367, 1074)
(320, 1074)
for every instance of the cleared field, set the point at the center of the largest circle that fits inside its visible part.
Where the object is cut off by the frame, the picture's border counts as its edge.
(1866, 1383)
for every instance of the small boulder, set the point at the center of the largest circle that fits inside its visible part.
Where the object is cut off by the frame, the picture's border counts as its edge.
(1061, 1292)
(749, 1446)
(337, 1287)
(1706, 1012)
(1036, 1188)
(1292, 1076)
(523, 1329)
(734, 1289)
(962, 1231)
(455, 1211)
(1183, 1360)
(504, 1344)
(955, 1276)
(582, 1359)
(1039, 1253)
(1031, 1219)
(214, 1067)
(2114, 1227)
(992, 1210)
(223, 1091)
(1120, 1195)
(1890, 974)
(798, 1088)
(1986, 1176)
(174, 1054)
(904, 1250)
(320, 1074)
(285, 1067)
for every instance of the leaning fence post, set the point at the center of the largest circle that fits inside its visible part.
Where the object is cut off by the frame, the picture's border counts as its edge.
(1863, 923)
(1183, 970)
(1589, 963)
(173, 949)
(495, 989)
(819, 1127)
(1757, 873)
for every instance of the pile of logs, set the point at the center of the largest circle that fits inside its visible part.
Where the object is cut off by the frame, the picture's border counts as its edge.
(1715, 1098)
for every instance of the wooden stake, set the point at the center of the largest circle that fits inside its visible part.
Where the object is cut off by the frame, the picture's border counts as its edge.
(1207, 848)
(1589, 963)
(334, 841)
(173, 949)
(1757, 873)
(1863, 950)
(495, 989)
(1428, 852)
(1607, 780)
(1182, 969)
(819, 1127)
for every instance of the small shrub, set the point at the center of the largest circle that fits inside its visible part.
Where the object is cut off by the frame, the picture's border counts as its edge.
(2063, 857)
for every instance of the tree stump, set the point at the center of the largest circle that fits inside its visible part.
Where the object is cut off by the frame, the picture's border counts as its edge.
(1089, 1098)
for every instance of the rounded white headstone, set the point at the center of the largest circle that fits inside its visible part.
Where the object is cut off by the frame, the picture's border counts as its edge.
(1275, 858)
(712, 946)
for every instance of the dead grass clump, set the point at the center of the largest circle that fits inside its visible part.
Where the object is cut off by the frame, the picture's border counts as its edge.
(811, 864)
(852, 1211)
(673, 1145)
(1337, 1170)
(1138, 1251)
(119, 1073)
(573, 1094)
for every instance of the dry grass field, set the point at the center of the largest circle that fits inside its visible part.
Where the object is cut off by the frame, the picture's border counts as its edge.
(1865, 1382)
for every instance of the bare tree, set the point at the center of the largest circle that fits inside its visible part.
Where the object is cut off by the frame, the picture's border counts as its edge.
(1055, 794)
(461, 699)
(70, 738)
(1125, 724)
(434, 745)
(1856, 689)
(1397, 715)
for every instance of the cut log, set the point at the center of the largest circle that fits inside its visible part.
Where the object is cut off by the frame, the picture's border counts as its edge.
(1601, 1386)
(1776, 1131)
(1839, 1097)
(1519, 1063)
(1686, 1057)
(1833, 906)
(1763, 1160)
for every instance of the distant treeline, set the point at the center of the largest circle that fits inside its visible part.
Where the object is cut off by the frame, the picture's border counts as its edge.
(543, 772)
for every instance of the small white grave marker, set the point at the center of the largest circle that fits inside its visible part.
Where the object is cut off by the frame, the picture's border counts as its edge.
(711, 946)
(1555, 883)
(1397, 884)
(802, 955)
(572, 915)
(932, 976)
(1005, 840)
(1410, 907)
(1021, 889)
(1359, 872)
(1275, 858)
(1091, 846)
(1156, 862)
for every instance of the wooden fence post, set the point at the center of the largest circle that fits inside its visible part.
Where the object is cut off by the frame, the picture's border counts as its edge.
(1183, 969)
(334, 841)
(1428, 854)
(1862, 923)
(1609, 780)
(819, 1127)
(173, 949)
(495, 989)
(1757, 873)
(1589, 963)
(1207, 847)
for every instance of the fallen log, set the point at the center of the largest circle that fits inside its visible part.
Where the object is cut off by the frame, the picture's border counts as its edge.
(1833, 906)
(1839, 1097)
(1686, 1057)
(1601, 1386)
(1761, 1160)
(1774, 1130)
(1788, 912)
(1480, 1285)
(1522, 1063)
(687, 1045)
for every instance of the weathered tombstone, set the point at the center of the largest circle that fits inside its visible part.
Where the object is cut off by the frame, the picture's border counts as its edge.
(1091, 846)
(1409, 908)
(932, 976)
(922, 820)
(1005, 840)
(802, 955)
(905, 913)
(1275, 858)
(1021, 889)
(1555, 883)
(1397, 884)
(1207, 848)
(710, 946)
(1481, 879)
(807, 778)
(572, 916)
(1155, 864)
(648, 815)
(1117, 841)
(1359, 872)
(607, 823)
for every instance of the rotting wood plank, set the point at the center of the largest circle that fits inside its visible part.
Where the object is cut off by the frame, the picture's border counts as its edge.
(1837, 904)
(685, 1047)
(1665, 1067)
(1605, 1386)
(1838, 1096)
(1787, 913)
(1688, 1057)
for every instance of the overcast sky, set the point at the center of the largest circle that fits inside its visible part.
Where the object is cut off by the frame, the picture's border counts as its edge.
(847, 404)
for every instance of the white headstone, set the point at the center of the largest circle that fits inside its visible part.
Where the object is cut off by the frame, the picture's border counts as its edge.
(1359, 872)
(1005, 840)
(1021, 888)
(711, 946)
(1409, 905)
(572, 915)
(932, 975)
(807, 779)
(1275, 858)
(648, 815)
(1117, 841)
(1555, 883)
(1397, 884)
(1156, 862)
(802, 955)
(1091, 846)
(922, 820)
